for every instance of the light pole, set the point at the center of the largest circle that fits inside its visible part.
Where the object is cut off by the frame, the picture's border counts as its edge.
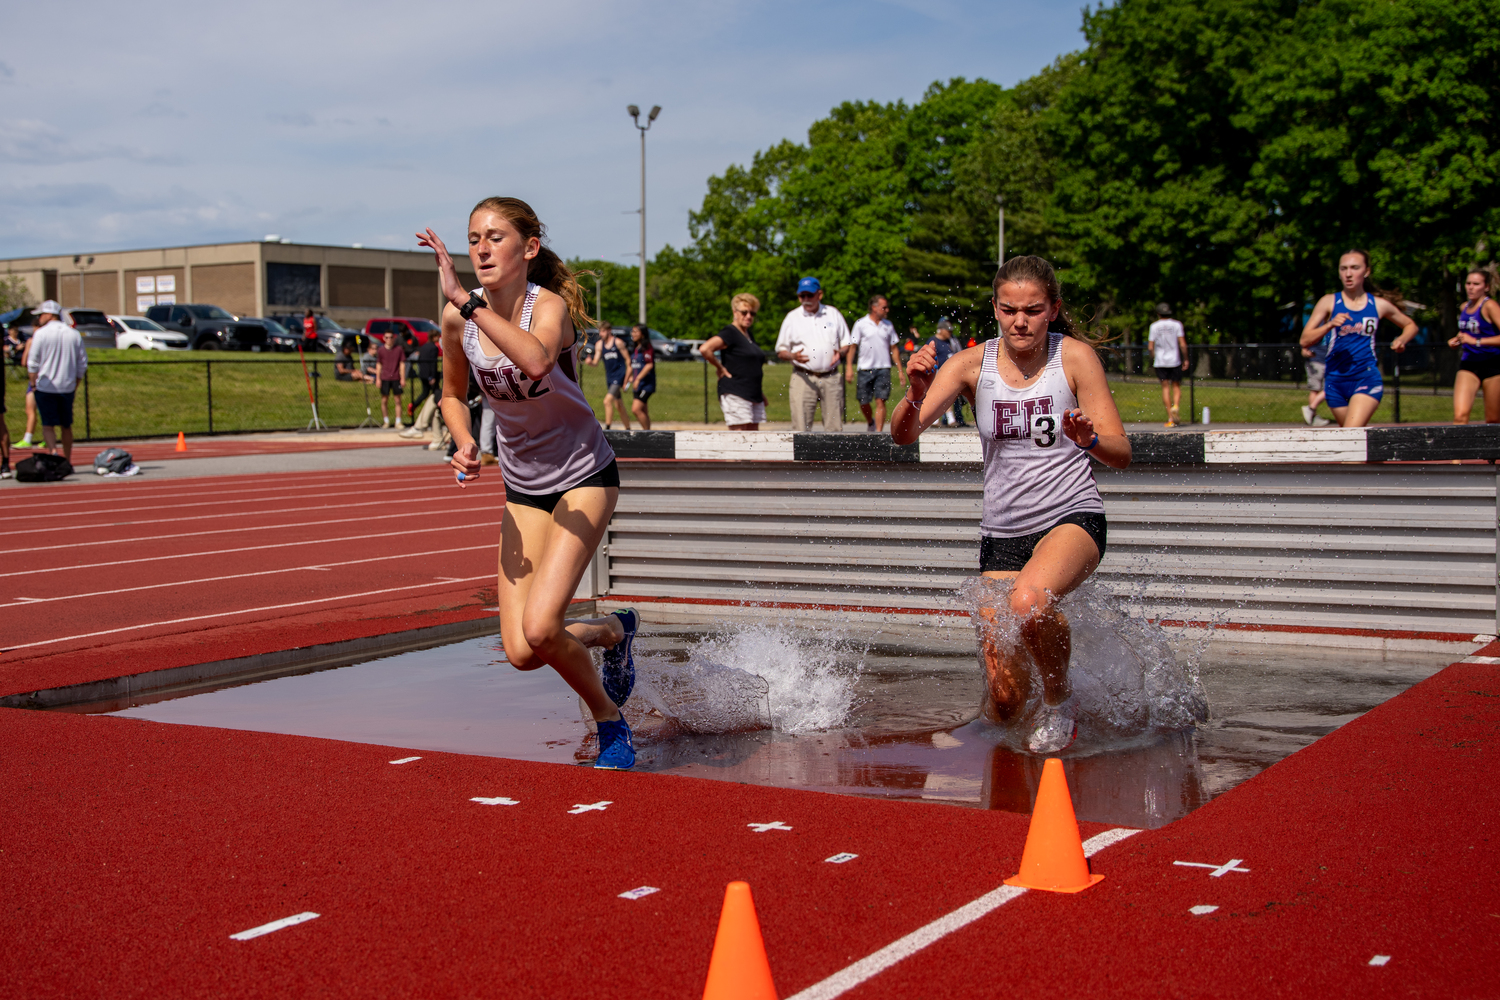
(1000, 252)
(635, 116)
(83, 265)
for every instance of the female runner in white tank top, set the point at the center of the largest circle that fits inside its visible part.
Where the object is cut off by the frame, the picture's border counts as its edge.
(561, 482)
(1043, 410)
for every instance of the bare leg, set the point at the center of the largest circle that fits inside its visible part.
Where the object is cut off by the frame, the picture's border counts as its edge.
(1492, 400)
(49, 438)
(1359, 411)
(542, 558)
(1176, 400)
(67, 443)
(642, 414)
(30, 415)
(1315, 399)
(1465, 385)
(879, 415)
(1061, 561)
(869, 415)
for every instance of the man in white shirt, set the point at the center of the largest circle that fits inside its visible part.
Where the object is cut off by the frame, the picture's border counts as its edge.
(875, 346)
(54, 364)
(814, 338)
(1170, 357)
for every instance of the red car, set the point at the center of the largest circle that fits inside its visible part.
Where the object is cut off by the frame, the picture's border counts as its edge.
(411, 331)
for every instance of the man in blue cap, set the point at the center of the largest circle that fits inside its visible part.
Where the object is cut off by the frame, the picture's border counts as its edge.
(815, 339)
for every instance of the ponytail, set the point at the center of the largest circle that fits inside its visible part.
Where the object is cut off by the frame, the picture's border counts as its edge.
(546, 268)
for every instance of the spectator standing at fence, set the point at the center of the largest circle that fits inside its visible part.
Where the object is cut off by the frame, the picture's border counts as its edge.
(814, 338)
(740, 362)
(1350, 319)
(1314, 365)
(55, 363)
(1479, 364)
(943, 348)
(876, 354)
(1044, 410)
(392, 360)
(613, 354)
(1170, 358)
(642, 374)
(427, 357)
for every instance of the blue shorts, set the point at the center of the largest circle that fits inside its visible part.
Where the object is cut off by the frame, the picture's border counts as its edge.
(1339, 389)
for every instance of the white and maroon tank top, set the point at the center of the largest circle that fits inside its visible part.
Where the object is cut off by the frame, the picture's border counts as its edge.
(1033, 474)
(549, 439)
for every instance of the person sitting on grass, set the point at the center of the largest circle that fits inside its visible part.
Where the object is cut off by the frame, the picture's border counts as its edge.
(345, 366)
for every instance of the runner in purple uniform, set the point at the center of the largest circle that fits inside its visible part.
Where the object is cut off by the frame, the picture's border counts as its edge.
(1043, 408)
(1479, 365)
(517, 333)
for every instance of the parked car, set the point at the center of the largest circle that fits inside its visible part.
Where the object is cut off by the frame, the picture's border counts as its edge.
(278, 337)
(140, 333)
(665, 347)
(412, 331)
(92, 324)
(330, 335)
(209, 328)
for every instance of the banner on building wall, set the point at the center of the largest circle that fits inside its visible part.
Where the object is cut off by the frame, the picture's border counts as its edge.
(166, 283)
(145, 286)
(144, 302)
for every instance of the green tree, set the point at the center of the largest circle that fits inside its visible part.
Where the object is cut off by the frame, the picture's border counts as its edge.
(13, 293)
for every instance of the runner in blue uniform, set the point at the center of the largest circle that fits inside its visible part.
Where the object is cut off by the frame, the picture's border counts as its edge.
(1350, 318)
(1479, 365)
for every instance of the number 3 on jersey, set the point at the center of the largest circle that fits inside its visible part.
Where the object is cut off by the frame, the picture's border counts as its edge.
(1044, 429)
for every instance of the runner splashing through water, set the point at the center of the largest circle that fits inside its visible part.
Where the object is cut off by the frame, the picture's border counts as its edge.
(517, 333)
(1043, 408)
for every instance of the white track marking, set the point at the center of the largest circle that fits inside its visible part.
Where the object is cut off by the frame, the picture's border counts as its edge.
(870, 966)
(644, 890)
(239, 497)
(839, 859)
(362, 519)
(280, 490)
(275, 925)
(405, 760)
(230, 614)
(593, 807)
(243, 576)
(1219, 871)
(1201, 910)
(218, 515)
(499, 800)
(1380, 960)
(763, 827)
(251, 548)
(1480, 659)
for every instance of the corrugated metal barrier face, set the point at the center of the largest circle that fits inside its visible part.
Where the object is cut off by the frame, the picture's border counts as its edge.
(1408, 548)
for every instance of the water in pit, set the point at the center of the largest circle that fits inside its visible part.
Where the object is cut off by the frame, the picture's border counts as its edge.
(887, 711)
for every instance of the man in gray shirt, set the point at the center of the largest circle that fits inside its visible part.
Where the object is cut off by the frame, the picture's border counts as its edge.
(54, 365)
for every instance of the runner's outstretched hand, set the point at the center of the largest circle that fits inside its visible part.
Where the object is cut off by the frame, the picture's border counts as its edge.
(1078, 427)
(453, 289)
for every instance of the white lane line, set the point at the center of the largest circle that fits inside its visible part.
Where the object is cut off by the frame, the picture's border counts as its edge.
(405, 760)
(872, 965)
(221, 512)
(1201, 910)
(94, 544)
(337, 540)
(498, 800)
(230, 614)
(1480, 659)
(244, 576)
(581, 808)
(1380, 960)
(644, 890)
(775, 824)
(275, 925)
(839, 859)
(1219, 871)
(281, 489)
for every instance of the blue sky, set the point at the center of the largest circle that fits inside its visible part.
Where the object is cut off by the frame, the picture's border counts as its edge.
(166, 123)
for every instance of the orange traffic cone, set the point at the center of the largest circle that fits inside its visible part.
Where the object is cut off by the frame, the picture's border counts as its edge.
(181, 441)
(738, 969)
(1053, 858)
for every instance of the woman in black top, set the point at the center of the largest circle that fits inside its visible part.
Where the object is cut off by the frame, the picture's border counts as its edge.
(739, 361)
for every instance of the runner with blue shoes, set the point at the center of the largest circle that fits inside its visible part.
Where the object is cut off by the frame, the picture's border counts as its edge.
(517, 334)
(1350, 318)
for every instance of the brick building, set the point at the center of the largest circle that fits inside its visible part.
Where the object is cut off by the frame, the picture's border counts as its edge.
(349, 284)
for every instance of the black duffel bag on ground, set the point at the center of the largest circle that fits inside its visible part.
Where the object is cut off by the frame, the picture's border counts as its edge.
(43, 468)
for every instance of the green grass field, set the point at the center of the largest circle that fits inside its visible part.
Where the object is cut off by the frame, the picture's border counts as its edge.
(263, 392)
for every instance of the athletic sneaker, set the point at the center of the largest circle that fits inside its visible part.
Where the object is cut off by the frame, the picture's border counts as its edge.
(384, 422)
(1307, 414)
(870, 427)
(26, 442)
(1321, 421)
(618, 671)
(616, 747)
(5, 471)
(1055, 731)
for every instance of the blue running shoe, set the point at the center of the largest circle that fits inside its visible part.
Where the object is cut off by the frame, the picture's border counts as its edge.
(618, 670)
(616, 747)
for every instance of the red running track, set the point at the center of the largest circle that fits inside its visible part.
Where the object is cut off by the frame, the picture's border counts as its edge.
(102, 580)
(131, 851)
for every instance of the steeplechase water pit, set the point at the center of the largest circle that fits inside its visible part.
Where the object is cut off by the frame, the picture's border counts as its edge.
(786, 644)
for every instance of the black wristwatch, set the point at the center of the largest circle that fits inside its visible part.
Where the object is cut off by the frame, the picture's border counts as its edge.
(476, 301)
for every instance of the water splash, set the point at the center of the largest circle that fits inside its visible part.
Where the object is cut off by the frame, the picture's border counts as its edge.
(1129, 682)
(752, 676)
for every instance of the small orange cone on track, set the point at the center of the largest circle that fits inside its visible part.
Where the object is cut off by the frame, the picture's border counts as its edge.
(181, 441)
(738, 969)
(1053, 858)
